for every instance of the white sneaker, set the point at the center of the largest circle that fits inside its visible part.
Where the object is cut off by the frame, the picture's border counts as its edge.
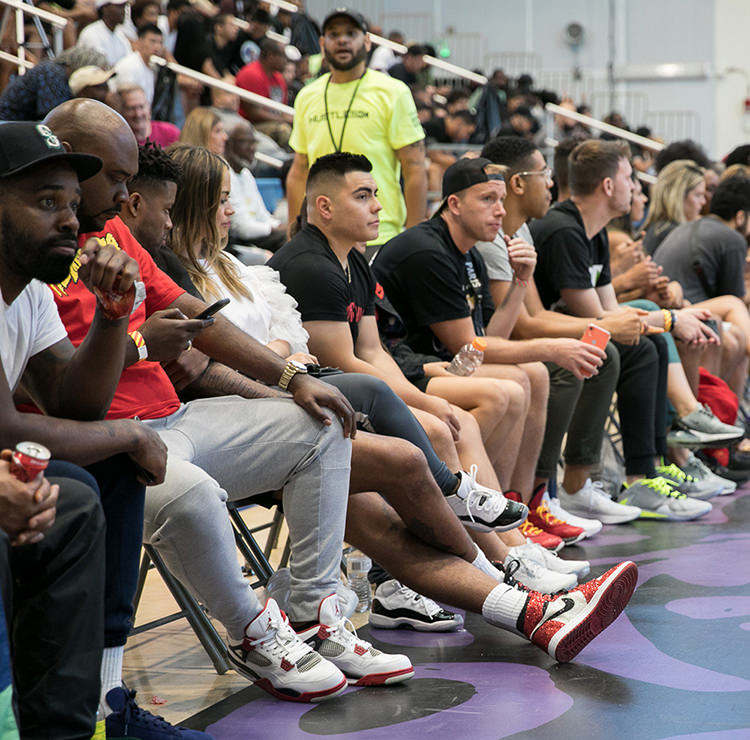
(699, 470)
(534, 551)
(589, 526)
(528, 570)
(592, 502)
(396, 605)
(277, 661)
(484, 509)
(362, 664)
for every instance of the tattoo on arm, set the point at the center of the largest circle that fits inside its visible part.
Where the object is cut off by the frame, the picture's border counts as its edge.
(220, 380)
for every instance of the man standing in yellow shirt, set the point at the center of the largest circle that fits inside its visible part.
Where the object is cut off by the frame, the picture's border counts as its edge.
(360, 110)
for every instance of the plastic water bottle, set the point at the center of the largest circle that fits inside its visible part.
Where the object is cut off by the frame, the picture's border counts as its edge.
(357, 567)
(468, 358)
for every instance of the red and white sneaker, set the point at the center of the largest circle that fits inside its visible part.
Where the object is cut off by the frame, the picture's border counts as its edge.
(563, 625)
(542, 517)
(548, 541)
(362, 664)
(274, 658)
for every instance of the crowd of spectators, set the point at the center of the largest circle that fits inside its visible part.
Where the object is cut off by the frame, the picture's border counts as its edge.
(413, 217)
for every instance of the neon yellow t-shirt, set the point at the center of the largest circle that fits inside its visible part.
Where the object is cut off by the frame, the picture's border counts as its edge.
(382, 119)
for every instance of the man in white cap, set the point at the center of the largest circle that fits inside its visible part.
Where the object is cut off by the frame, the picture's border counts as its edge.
(90, 82)
(106, 35)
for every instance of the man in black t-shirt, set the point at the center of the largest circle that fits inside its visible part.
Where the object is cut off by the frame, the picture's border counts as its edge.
(437, 281)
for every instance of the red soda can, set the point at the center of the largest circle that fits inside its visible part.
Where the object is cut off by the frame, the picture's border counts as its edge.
(28, 460)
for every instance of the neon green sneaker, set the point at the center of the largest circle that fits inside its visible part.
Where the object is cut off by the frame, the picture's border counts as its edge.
(657, 498)
(689, 484)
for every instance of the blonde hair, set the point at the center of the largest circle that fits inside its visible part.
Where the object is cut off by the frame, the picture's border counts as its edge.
(672, 186)
(733, 170)
(195, 237)
(198, 126)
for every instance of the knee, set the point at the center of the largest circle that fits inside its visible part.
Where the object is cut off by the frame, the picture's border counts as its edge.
(407, 462)
(184, 511)
(492, 396)
(538, 381)
(438, 433)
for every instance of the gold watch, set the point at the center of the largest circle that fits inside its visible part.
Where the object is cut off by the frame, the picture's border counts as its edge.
(292, 368)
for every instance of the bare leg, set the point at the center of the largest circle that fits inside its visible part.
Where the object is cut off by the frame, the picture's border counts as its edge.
(534, 377)
(398, 470)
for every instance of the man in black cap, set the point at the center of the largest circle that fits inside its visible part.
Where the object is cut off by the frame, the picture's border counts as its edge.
(360, 110)
(59, 570)
(437, 281)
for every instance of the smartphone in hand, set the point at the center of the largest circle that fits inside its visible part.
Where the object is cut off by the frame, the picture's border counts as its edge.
(212, 309)
(596, 336)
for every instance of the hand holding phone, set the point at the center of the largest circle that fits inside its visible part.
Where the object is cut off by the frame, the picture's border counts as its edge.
(212, 309)
(596, 336)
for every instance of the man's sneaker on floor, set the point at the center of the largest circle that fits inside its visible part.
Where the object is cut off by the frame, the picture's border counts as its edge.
(128, 719)
(279, 662)
(482, 508)
(592, 502)
(590, 527)
(698, 469)
(563, 625)
(657, 498)
(704, 489)
(703, 424)
(548, 541)
(551, 561)
(541, 516)
(362, 664)
(529, 571)
(395, 605)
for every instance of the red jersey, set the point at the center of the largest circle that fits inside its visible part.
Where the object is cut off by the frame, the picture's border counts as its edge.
(253, 77)
(144, 389)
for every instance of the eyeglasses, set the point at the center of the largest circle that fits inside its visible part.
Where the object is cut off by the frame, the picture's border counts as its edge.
(546, 173)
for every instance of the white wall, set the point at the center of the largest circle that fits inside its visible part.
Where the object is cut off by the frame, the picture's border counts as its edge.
(646, 32)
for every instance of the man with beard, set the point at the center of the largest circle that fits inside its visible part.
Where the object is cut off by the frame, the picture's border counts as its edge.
(39, 198)
(359, 110)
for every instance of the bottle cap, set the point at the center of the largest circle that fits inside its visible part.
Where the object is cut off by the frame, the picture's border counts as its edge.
(479, 343)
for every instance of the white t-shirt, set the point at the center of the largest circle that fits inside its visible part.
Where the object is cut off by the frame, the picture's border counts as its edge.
(251, 219)
(113, 44)
(28, 326)
(271, 313)
(133, 70)
(495, 254)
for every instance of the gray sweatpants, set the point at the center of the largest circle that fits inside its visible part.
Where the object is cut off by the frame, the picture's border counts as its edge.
(233, 447)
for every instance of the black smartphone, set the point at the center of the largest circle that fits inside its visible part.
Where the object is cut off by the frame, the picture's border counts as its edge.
(212, 309)
(712, 324)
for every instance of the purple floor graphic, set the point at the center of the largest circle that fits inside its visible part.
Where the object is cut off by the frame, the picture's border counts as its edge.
(674, 666)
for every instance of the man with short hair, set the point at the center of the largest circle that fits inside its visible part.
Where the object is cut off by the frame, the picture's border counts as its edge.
(410, 65)
(577, 406)
(106, 34)
(136, 110)
(263, 77)
(573, 275)
(358, 110)
(135, 68)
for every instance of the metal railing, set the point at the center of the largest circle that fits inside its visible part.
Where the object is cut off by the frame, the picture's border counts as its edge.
(19, 8)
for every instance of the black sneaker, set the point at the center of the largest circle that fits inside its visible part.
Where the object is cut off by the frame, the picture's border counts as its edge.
(395, 605)
(127, 718)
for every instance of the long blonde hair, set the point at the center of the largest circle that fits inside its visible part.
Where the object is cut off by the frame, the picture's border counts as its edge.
(195, 237)
(197, 127)
(672, 186)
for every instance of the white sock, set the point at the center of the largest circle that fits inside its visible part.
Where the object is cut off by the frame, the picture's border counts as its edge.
(503, 606)
(481, 562)
(111, 673)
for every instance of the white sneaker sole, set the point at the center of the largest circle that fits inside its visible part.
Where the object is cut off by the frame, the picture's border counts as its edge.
(383, 622)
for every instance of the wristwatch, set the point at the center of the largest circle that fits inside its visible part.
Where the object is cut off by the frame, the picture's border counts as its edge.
(292, 368)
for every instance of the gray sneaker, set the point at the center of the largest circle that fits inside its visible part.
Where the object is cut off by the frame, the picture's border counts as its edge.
(657, 498)
(684, 482)
(699, 470)
(705, 427)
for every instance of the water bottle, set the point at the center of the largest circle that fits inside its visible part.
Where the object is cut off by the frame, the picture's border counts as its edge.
(357, 567)
(468, 358)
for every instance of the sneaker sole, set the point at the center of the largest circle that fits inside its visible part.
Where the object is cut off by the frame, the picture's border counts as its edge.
(608, 603)
(391, 623)
(382, 679)
(287, 694)
(672, 516)
(480, 527)
(623, 518)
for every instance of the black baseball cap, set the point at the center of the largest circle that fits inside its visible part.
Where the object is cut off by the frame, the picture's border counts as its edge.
(24, 144)
(464, 173)
(357, 18)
